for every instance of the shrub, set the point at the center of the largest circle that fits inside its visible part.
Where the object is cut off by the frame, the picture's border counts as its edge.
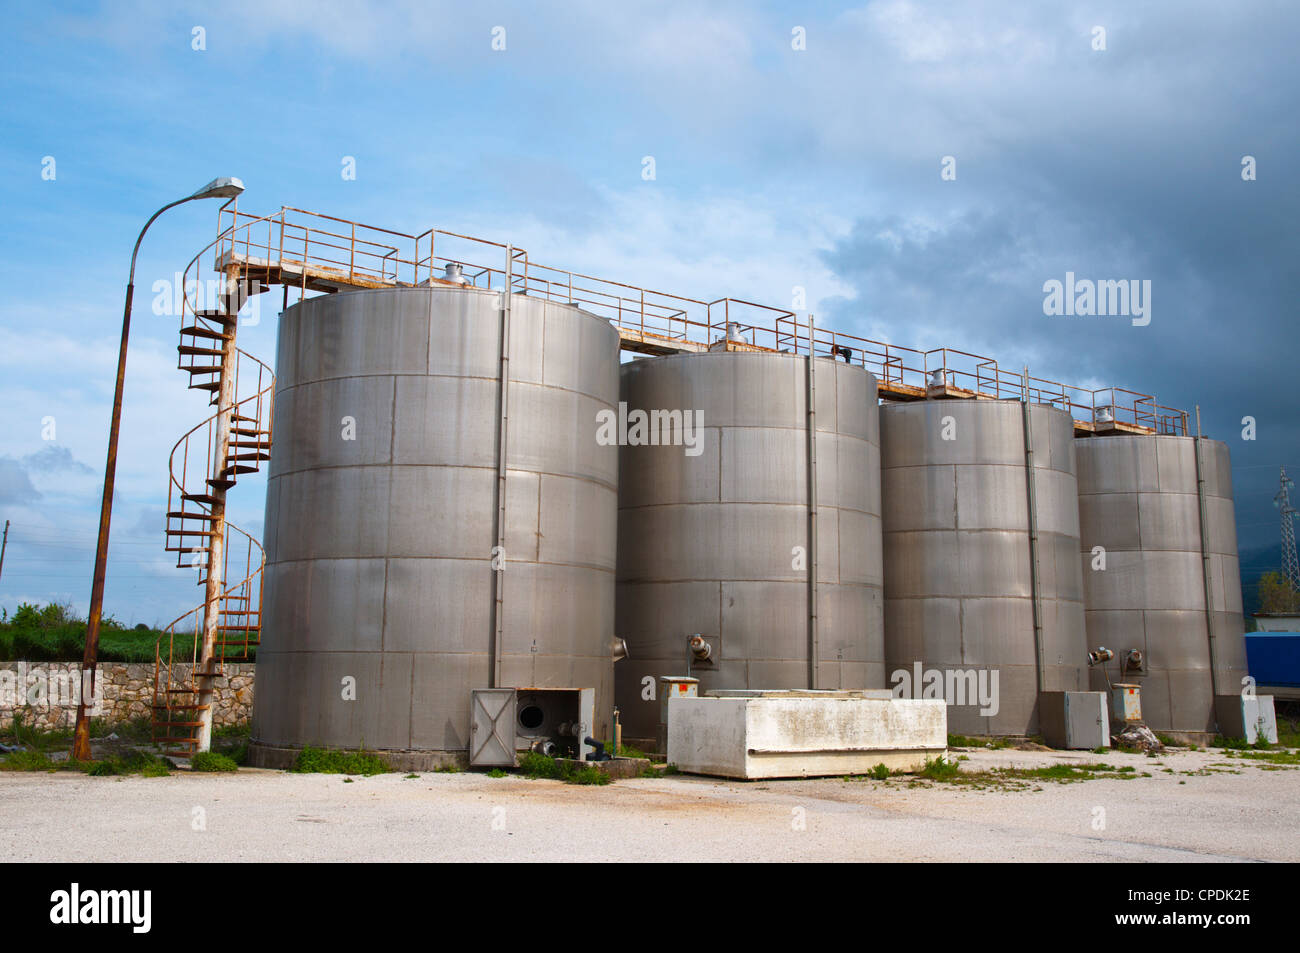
(211, 761)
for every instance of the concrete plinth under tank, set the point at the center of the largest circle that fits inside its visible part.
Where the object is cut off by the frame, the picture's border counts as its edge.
(381, 508)
(1146, 589)
(959, 577)
(716, 544)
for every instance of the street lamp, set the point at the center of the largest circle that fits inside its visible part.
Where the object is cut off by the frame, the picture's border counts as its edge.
(222, 188)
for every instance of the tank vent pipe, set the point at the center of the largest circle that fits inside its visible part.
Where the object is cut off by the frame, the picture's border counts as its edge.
(503, 420)
(1199, 444)
(813, 648)
(1032, 491)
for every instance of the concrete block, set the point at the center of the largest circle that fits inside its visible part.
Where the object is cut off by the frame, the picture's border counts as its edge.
(793, 734)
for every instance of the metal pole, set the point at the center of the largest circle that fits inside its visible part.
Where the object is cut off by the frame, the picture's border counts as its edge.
(1198, 443)
(503, 420)
(4, 544)
(1034, 580)
(89, 660)
(813, 648)
(81, 735)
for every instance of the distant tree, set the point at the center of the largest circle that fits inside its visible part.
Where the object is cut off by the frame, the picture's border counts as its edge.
(1277, 595)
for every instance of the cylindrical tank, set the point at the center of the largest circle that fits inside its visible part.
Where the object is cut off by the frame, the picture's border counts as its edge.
(715, 541)
(959, 578)
(1145, 588)
(381, 516)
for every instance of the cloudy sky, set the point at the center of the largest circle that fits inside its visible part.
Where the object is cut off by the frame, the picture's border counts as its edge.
(775, 168)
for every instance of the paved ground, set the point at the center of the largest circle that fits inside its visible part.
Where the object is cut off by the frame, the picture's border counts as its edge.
(273, 816)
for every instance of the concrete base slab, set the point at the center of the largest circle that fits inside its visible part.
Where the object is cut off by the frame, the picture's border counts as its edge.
(803, 734)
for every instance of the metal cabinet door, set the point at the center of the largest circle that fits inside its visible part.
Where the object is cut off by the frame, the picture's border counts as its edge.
(492, 727)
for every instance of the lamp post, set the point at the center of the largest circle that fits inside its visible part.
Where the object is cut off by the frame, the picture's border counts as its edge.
(218, 188)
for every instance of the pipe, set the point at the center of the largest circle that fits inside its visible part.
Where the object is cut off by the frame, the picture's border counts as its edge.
(1032, 492)
(1198, 443)
(503, 420)
(814, 650)
(599, 753)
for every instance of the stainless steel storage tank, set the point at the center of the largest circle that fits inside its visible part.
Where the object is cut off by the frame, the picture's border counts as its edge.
(1138, 501)
(381, 506)
(959, 577)
(717, 544)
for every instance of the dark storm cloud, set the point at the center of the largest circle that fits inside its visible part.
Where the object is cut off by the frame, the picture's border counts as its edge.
(1144, 185)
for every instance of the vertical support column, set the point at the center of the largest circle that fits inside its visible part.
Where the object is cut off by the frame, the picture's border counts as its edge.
(503, 420)
(214, 583)
(1198, 443)
(1034, 576)
(814, 654)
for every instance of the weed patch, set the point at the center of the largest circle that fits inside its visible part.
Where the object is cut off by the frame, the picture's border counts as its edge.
(212, 762)
(332, 761)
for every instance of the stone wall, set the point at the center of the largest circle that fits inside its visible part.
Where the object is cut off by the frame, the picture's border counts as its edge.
(46, 694)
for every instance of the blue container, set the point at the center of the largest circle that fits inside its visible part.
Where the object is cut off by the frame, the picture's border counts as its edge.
(1274, 658)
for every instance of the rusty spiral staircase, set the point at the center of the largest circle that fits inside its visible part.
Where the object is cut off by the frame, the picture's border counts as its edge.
(205, 464)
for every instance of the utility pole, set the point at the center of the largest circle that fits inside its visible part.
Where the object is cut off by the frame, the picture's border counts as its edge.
(3, 544)
(217, 188)
(1290, 564)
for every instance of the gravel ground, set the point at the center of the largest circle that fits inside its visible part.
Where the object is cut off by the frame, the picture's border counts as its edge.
(274, 816)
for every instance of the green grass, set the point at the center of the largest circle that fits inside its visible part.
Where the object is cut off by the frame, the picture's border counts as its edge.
(332, 761)
(966, 741)
(26, 761)
(1240, 744)
(496, 773)
(940, 769)
(1288, 732)
(53, 633)
(880, 772)
(129, 762)
(212, 762)
(533, 765)
(946, 772)
(1280, 757)
(32, 738)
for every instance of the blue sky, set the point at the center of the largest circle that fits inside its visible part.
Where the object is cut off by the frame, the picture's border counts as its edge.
(775, 168)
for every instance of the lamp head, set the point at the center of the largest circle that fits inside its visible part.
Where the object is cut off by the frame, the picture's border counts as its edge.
(226, 187)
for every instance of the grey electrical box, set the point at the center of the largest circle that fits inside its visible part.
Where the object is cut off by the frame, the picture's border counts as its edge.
(1077, 720)
(1247, 716)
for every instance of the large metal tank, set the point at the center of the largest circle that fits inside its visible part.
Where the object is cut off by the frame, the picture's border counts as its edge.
(717, 544)
(381, 507)
(959, 572)
(1138, 501)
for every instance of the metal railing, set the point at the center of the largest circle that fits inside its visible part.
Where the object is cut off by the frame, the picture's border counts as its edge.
(327, 250)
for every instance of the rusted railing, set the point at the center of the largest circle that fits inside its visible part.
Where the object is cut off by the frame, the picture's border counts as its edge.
(327, 250)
